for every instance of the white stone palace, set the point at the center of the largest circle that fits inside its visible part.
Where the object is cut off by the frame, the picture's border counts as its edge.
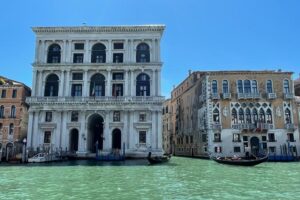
(97, 85)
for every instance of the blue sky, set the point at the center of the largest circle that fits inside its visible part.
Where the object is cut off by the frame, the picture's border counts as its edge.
(199, 35)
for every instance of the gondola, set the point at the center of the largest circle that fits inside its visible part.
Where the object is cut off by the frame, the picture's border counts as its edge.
(158, 159)
(241, 161)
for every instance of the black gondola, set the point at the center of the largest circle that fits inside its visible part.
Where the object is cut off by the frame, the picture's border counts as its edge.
(241, 161)
(158, 159)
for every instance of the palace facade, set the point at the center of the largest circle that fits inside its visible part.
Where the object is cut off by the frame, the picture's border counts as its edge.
(13, 116)
(97, 88)
(224, 113)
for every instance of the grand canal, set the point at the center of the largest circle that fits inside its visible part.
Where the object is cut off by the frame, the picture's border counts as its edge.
(182, 178)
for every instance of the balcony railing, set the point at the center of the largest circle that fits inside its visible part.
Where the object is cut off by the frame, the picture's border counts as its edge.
(226, 95)
(288, 95)
(243, 126)
(271, 95)
(289, 126)
(215, 96)
(99, 99)
(252, 95)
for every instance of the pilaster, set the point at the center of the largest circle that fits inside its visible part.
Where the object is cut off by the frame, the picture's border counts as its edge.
(33, 92)
(126, 83)
(61, 83)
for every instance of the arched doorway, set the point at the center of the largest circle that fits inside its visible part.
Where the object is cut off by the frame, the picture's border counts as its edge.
(95, 132)
(74, 135)
(254, 142)
(116, 139)
(9, 151)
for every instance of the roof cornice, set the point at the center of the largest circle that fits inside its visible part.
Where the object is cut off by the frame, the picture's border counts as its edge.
(99, 29)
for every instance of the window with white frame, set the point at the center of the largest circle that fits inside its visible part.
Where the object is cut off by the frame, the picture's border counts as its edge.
(142, 117)
(286, 86)
(225, 87)
(269, 86)
(142, 137)
(48, 117)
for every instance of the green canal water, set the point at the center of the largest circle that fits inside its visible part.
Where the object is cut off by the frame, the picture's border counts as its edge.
(181, 178)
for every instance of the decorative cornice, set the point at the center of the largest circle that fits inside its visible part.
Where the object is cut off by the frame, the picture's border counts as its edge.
(100, 29)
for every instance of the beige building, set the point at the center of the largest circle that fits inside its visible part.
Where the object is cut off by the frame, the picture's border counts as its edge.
(13, 116)
(235, 112)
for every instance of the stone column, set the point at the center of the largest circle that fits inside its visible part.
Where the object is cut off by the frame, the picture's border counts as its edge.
(64, 52)
(158, 50)
(153, 51)
(43, 54)
(61, 83)
(132, 86)
(67, 92)
(108, 83)
(35, 132)
(82, 135)
(43, 84)
(33, 92)
(153, 84)
(64, 132)
(158, 83)
(125, 130)
(85, 83)
(109, 52)
(69, 51)
(86, 52)
(159, 132)
(154, 130)
(126, 83)
(57, 141)
(131, 139)
(30, 129)
(106, 134)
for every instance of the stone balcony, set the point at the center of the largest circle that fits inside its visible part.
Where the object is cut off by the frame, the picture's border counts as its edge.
(215, 96)
(271, 96)
(226, 95)
(108, 100)
(252, 95)
(288, 96)
(250, 126)
(289, 126)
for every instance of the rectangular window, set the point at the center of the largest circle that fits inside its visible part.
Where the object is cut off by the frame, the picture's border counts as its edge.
(218, 149)
(264, 138)
(79, 46)
(118, 45)
(272, 149)
(117, 116)
(245, 138)
(217, 137)
(236, 137)
(264, 145)
(204, 137)
(118, 58)
(290, 137)
(142, 117)
(14, 93)
(78, 58)
(77, 76)
(117, 90)
(271, 137)
(76, 90)
(236, 149)
(142, 137)
(3, 94)
(48, 117)
(74, 116)
(118, 76)
(47, 137)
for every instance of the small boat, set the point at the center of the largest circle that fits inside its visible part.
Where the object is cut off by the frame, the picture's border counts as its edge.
(241, 161)
(158, 159)
(43, 157)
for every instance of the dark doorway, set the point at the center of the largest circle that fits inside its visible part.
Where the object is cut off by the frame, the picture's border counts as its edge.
(9, 151)
(74, 140)
(95, 136)
(116, 139)
(254, 142)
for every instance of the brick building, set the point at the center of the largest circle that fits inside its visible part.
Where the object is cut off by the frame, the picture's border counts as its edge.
(13, 116)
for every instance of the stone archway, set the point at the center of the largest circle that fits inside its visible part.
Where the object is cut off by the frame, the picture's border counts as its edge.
(254, 143)
(74, 136)
(116, 139)
(95, 132)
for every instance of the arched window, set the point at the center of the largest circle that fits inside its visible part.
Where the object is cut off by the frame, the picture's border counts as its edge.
(240, 86)
(254, 86)
(1, 111)
(98, 53)
(247, 86)
(142, 53)
(13, 112)
(214, 86)
(97, 85)
(269, 86)
(248, 116)
(286, 86)
(234, 118)
(54, 54)
(262, 117)
(241, 116)
(143, 85)
(269, 116)
(255, 116)
(11, 129)
(216, 116)
(287, 114)
(51, 87)
(225, 86)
